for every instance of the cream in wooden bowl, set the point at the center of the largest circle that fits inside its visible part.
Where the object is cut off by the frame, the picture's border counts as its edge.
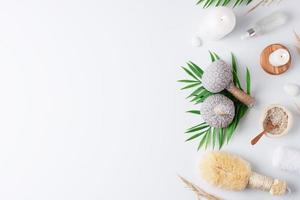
(280, 117)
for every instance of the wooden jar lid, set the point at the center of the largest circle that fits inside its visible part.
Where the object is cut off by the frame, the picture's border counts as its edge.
(266, 65)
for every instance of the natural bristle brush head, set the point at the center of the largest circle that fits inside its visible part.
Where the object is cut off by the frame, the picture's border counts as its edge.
(225, 170)
(231, 172)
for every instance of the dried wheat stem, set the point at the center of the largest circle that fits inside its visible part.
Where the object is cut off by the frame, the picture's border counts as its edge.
(297, 107)
(198, 191)
(297, 41)
(297, 36)
(254, 7)
(262, 3)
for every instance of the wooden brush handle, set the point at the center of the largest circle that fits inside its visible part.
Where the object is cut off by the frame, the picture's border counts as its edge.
(265, 183)
(241, 95)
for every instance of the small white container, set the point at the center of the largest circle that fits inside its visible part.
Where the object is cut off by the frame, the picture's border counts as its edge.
(289, 123)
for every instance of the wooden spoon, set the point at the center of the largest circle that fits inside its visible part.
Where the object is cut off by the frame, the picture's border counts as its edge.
(269, 127)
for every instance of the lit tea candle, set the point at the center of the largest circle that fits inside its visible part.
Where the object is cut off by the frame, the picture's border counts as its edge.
(219, 22)
(279, 57)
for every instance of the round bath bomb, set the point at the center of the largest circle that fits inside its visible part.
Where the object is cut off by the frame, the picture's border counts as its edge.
(217, 111)
(217, 76)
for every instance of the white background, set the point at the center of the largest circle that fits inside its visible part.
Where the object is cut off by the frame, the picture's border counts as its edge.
(90, 107)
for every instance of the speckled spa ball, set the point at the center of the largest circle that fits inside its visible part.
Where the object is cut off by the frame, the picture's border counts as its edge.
(217, 76)
(217, 111)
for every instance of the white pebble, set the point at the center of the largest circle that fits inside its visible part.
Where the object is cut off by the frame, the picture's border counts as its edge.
(291, 89)
(196, 41)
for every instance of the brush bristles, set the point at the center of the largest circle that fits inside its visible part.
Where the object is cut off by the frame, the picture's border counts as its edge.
(225, 170)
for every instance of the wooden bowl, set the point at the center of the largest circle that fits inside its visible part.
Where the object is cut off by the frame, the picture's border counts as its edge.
(266, 65)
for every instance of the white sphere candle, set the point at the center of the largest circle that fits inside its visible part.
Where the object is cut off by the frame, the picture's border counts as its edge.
(219, 22)
(279, 57)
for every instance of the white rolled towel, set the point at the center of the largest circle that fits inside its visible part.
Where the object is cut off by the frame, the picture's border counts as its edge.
(287, 159)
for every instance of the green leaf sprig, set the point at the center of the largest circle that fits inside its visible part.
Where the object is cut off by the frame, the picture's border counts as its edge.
(207, 135)
(208, 3)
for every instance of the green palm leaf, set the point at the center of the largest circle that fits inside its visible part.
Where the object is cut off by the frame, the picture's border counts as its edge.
(194, 112)
(248, 82)
(234, 3)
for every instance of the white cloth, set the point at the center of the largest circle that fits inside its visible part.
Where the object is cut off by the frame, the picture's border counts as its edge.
(286, 158)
